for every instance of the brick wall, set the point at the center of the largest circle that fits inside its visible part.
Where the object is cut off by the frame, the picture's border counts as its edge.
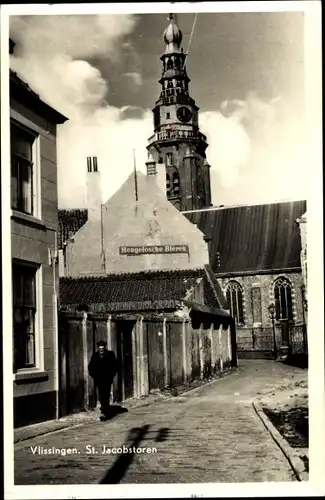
(263, 284)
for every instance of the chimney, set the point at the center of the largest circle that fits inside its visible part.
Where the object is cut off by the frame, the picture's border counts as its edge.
(94, 193)
(157, 171)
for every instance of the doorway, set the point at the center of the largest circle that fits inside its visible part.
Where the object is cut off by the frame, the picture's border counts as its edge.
(125, 358)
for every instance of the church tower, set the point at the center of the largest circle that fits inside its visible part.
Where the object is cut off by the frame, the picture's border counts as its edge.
(177, 141)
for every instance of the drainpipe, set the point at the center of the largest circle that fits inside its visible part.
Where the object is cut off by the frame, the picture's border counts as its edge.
(53, 261)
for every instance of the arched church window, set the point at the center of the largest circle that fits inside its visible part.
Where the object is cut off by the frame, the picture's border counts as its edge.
(283, 299)
(167, 185)
(234, 294)
(175, 184)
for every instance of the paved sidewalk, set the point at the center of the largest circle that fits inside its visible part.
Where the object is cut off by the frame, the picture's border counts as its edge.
(211, 434)
(76, 419)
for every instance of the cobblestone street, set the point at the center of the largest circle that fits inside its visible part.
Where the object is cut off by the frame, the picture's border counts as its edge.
(211, 434)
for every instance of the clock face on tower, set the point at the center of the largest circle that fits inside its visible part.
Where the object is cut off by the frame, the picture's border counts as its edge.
(184, 114)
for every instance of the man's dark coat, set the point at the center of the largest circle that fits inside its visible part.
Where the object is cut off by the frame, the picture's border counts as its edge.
(103, 369)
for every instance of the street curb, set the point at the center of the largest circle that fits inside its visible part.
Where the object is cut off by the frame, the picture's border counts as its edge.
(291, 455)
(91, 418)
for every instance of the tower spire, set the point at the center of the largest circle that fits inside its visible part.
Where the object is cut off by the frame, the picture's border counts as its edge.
(176, 128)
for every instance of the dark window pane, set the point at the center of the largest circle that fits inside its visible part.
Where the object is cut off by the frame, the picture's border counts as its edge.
(24, 309)
(26, 187)
(277, 303)
(29, 289)
(21, 169)
(235, 300)
(228, 299)
(21, 142)
(28, 337)
(17, 288)
(284, 314)
(289, 303)
(14, 184)
(240, 306)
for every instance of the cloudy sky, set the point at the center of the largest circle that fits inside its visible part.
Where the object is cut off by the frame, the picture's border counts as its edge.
(102, 71)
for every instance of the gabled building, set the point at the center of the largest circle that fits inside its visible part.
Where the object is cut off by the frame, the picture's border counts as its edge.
(149, 233)
(34, 226)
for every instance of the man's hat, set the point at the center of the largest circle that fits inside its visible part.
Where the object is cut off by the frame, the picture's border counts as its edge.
(101, 342)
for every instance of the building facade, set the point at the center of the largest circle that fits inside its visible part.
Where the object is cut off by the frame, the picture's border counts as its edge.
(302, 222)
(34, 225)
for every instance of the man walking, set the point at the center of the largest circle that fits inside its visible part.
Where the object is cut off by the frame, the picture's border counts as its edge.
(103, 368)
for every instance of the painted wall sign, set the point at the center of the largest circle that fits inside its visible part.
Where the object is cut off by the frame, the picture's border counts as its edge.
(153, 249)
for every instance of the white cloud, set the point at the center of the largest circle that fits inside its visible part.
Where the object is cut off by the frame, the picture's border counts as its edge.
(136, 77)
(257, 151)
(50, 57)
(229, 145)
(255, 145)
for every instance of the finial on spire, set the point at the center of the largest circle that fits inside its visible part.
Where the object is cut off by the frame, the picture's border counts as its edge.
(172, 35)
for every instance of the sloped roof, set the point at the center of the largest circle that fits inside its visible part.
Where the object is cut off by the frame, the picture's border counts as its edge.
(145, 291)
(252, 239)
(21, 92)
(206, 309)
(70, 221)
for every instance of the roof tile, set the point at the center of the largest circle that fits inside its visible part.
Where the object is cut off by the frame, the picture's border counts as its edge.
(135, 291)
(70, 221)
